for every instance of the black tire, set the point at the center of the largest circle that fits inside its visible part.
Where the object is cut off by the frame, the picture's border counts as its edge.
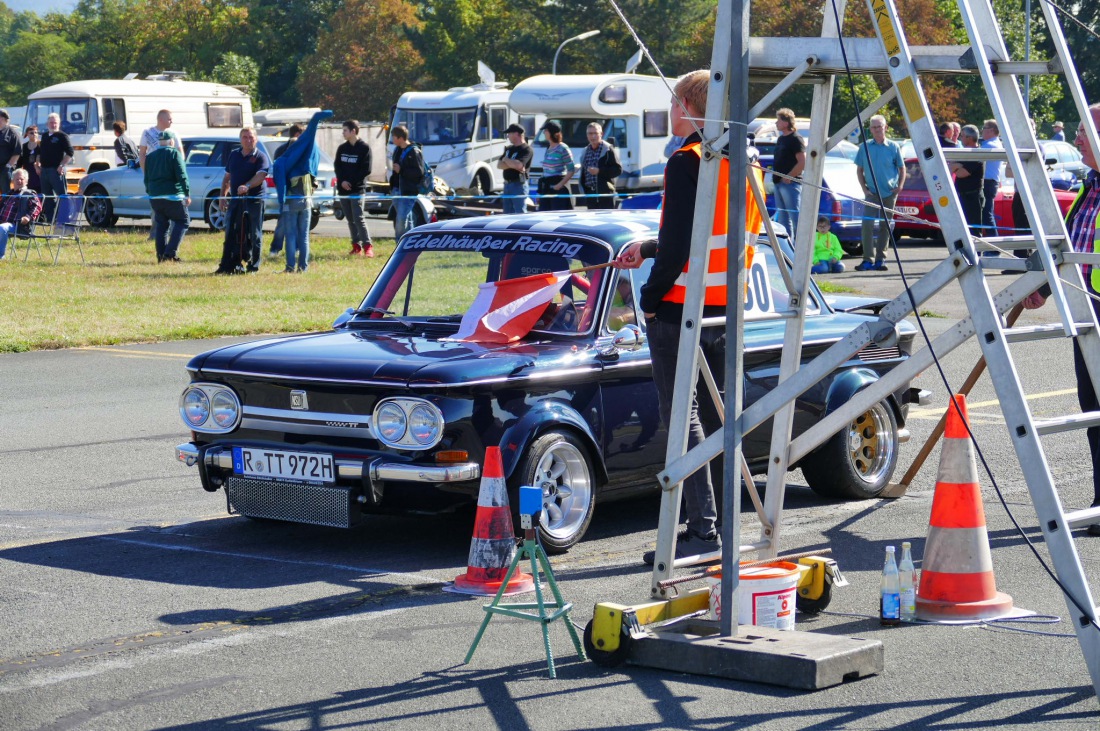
(815, 606)
(212, 213)
(483, 184)
(605, 659)
(852, 248)
(314, 219)
(857, 462)
(98, 210)
(559, 464)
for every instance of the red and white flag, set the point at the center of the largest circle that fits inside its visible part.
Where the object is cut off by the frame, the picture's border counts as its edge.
(505, 311)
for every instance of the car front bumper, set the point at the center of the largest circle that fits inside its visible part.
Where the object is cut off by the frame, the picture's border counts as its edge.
(376, 469)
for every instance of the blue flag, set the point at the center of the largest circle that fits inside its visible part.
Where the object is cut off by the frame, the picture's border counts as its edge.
(300, 158)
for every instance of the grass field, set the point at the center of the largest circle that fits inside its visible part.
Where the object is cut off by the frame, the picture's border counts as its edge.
(121, 295)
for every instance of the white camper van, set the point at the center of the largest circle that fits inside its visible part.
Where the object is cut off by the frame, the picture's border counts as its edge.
(88, 109)
(633, 110)
(461, 131)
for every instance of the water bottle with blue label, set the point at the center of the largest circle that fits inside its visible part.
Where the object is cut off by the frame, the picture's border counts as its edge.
(890, 606)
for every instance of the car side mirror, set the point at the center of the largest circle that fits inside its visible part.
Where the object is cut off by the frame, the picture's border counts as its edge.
(343, 318)
(626, 340)
(1052, 161)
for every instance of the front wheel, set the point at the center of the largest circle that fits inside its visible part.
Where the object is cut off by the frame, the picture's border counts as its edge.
(98, 211)
(858, 461)
(558, 464)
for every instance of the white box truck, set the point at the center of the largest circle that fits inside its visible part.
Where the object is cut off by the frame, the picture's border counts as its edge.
(632, 108)
(461, 131)
(88, 109)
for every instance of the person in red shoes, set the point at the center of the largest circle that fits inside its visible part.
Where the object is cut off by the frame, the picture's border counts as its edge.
(353, 164)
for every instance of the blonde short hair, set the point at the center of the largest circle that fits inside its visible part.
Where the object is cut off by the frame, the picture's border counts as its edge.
(692, 88)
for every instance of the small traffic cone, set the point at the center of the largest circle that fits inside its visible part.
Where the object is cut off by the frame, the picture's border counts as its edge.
(956, 581)
(494, 541)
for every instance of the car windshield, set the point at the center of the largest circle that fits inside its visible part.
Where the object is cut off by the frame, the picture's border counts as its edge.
(78, 116)
(438, 126)
(434, 276)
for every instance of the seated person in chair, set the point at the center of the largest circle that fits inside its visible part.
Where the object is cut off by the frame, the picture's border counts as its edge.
(18, 210)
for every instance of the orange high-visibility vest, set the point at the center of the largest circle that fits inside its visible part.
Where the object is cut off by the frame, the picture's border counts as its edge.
(717, 258)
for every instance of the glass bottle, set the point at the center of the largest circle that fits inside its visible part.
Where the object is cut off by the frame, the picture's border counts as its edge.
(908, 583)
(890, 605)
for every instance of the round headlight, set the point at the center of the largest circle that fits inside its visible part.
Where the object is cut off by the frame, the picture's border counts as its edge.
(225, 408)
(424, 424)
(195, 408)
(390, 422)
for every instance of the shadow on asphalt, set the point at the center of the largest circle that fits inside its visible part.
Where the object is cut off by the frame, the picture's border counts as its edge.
(442, 696)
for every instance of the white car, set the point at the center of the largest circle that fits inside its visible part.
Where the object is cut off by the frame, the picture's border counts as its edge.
(120, 192)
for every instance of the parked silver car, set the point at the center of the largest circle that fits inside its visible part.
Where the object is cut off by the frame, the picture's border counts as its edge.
(120, 192)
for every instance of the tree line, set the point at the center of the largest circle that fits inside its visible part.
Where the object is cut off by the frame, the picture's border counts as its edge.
(356, 57)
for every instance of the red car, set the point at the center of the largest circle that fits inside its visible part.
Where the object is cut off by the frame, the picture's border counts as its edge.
(914, 200)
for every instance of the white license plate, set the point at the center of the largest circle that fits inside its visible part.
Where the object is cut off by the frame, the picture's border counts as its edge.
(908, 210)
(279, 465)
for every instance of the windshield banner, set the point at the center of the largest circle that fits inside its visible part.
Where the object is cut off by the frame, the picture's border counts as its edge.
(436, 241)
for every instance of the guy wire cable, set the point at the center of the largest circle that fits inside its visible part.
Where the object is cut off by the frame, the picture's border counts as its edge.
(939, 367)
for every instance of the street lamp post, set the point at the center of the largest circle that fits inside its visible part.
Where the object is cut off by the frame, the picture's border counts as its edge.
(581, 37)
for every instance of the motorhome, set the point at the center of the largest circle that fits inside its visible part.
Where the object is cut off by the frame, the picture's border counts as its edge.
(461, 131)
(632, 108)
(89, 109)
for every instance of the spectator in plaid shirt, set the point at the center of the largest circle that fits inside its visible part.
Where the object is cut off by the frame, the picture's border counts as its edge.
(18, 209)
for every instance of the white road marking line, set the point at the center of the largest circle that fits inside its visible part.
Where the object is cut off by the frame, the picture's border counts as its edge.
(143, 353)
(322, 564)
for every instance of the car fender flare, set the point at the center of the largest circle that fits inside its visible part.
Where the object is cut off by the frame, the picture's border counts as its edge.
(849, 382)
(546, 416)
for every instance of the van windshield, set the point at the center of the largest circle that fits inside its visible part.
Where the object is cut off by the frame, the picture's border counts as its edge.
(78, 116)
(438, 126)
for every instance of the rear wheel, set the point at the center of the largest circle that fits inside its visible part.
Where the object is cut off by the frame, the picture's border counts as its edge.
(483, 184)
(314, 218)
(213, 214)
(858, 461)
(98, 210)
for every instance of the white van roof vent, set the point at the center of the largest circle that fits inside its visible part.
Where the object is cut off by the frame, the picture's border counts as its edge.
(168, 76)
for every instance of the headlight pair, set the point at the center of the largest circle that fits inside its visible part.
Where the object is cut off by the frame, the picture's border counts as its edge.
(210, 408)
(407, 423)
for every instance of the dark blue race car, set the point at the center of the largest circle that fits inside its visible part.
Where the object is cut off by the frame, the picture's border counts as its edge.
(387, 412)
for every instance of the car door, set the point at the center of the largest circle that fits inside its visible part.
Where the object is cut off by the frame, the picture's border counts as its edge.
(205, 168)
(131, 198)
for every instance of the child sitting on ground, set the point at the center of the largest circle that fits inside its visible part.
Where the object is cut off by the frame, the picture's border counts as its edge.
(827, 251)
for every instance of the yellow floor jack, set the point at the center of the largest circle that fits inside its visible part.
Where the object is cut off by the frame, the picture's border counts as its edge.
(616, 630)
(530, 509)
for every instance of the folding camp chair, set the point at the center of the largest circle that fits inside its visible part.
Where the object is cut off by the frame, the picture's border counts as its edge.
(68, 218)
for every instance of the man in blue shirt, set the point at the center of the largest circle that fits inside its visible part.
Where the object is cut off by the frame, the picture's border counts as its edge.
(881, 173)
(246, 170)
(991, 180)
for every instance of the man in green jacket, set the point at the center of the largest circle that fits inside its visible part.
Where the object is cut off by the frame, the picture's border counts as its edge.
(169, 196)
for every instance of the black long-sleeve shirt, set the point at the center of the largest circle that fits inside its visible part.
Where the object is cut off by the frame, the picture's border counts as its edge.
(55, 146)
(673, 245)
(352, 165)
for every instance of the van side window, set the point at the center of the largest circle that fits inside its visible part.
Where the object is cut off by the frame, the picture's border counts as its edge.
(655, 122)
(224, 115)
(498, 117)
(527, 121)
(114, 110)
(482, 125)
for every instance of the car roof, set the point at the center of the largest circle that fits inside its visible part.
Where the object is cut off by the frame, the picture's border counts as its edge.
(617, 228)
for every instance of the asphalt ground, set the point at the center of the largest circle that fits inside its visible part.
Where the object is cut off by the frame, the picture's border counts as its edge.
(130, 600)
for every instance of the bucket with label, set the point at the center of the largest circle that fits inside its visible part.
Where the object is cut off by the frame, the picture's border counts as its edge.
(766, 595)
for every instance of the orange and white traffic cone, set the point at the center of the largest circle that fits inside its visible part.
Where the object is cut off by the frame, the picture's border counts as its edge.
(493, 545)
(957, 580)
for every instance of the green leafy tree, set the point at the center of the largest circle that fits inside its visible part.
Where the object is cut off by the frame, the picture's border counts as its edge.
(237, 70)
(363, 61)
(281, 33)
(43, 59)
(1082, 40)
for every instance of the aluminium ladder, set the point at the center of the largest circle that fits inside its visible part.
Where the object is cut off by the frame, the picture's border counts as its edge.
(1052, 262)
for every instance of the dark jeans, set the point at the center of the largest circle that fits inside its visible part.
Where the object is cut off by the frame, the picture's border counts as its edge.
(554, 200)
(1086, 396)
(352, 206)
(244, 222)
(5, 179)
(53, 185)
(595, 201)
(972, 202)
(989, 191)
(169, 214)
(664, 343)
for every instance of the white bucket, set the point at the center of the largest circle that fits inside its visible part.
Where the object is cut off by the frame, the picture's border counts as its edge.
(766, 595)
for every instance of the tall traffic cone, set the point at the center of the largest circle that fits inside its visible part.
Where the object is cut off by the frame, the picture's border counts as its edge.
(957, 581)
(494, 541)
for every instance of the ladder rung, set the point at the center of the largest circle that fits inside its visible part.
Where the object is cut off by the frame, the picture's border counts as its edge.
(1040, 332)
(1081, 518)
(971, 154)
(1026, 242)
(1067, 423)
